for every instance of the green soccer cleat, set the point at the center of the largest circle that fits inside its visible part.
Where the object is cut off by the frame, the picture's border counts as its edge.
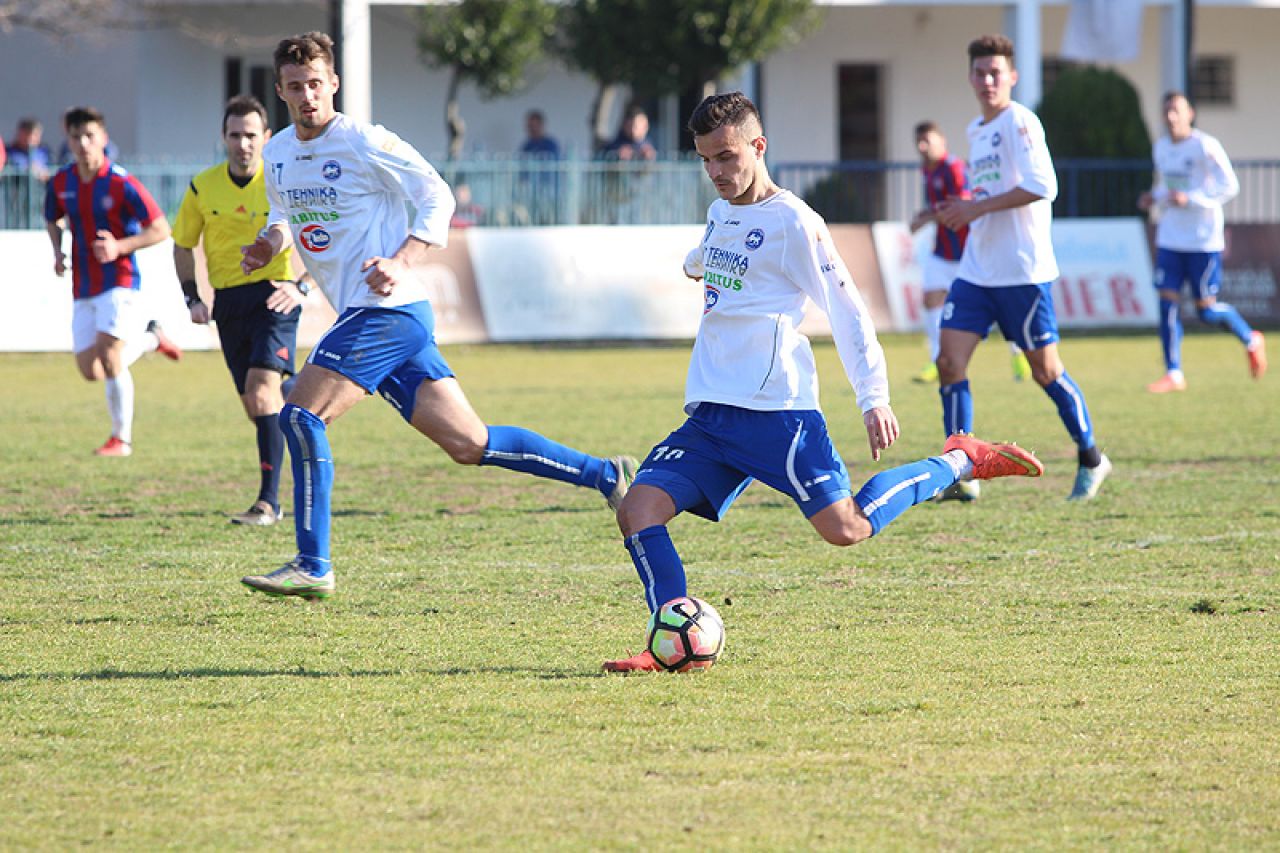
(1089, 481)
(1021, 367)
(927, 376)
(965, 491)
(292, 579)
(627, 467)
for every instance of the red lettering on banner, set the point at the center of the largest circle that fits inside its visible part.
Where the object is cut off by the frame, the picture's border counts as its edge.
(1124, 296)
(913, 298)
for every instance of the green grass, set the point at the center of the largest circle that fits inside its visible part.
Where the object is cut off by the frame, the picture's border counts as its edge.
(1017, 673)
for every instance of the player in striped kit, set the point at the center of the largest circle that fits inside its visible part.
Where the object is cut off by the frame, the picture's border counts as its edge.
(110, 216)
(1194, 179)
(339, 189)
(752, 389)
(1008, 268)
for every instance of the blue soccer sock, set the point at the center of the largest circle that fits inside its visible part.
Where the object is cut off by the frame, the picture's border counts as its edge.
(1072, 409)
(1171, 335)
(270, 456)
(957, 407)
(658, 565)
(312, 463)
(890, 493)
(519, 449)
(1225, 316)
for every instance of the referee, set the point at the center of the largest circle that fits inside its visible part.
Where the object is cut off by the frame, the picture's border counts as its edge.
(257, 316)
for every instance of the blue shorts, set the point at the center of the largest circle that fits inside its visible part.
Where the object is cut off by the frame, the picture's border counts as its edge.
(251, 334)
(705, 464)
(1024, 312)
(1202, 269)
(388, 350)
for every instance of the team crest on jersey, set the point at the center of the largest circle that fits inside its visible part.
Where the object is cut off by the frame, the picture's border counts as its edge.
(331, 170)
(107, 203)
(712, 297)
(995, 140)
(314, 238)
(755, 239)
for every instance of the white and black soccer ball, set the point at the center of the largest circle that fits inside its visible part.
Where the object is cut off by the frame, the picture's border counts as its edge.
(685, 634)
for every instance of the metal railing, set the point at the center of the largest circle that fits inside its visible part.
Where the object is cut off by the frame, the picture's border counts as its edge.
(509, 192)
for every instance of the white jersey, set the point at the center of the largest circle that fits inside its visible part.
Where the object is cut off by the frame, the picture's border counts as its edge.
(760, 263)
(1197, 166)
(1010, 247)
(344, 196)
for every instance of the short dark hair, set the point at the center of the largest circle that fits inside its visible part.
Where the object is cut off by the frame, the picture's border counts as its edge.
(243, 105)
(80, 116)
(717, 111)
(303, 50)
(991, 45)
(538, 114)
(927, 126)
(1176, 93)
(29, 124)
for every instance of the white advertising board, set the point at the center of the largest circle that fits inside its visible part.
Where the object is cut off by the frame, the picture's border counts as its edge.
(1105, 268)
(588, 282)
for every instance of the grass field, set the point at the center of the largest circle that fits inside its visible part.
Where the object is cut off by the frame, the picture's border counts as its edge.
(1017, 673)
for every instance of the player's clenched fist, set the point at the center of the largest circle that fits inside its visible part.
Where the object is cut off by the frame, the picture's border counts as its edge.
(383, 274)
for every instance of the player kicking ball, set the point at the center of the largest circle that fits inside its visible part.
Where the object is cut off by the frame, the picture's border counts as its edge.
(752, 390)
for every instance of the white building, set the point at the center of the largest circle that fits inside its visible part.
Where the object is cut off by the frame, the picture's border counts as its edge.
(853, 89)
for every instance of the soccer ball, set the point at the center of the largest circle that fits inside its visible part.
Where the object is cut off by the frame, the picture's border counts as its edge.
(685, 634)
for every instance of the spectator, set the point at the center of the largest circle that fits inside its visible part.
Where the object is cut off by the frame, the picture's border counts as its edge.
(632, 141)
(467, 212)
(27, 151)
(537, 144)
(539, 186)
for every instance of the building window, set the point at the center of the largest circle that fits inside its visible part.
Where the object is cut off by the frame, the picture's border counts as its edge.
(1213, 81)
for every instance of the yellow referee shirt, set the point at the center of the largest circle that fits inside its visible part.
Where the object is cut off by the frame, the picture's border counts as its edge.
(229, 217)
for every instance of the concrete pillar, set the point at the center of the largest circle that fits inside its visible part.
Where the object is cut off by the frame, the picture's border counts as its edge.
(1174, 73)
(356, 60)
(1022, 24)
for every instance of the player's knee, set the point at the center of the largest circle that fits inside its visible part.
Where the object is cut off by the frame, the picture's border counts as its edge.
(461, 448)
(1045, 375)
(848, 533)
(950, 370)
(1208, 313)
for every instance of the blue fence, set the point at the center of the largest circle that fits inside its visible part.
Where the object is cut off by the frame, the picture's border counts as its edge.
(512, 192)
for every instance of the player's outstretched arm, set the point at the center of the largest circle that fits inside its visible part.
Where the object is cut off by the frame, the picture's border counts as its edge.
(882, 429)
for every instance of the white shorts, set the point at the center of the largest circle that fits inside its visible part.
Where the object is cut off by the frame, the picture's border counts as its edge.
(117, 312)
(938, 273)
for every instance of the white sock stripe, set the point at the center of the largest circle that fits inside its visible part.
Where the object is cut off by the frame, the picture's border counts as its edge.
(304, 513)
(650, 594)
(530, 457)
(879, 502)
(1077, 400)
(801, 492)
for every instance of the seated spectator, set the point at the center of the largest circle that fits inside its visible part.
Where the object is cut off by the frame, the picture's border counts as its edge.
(466, 213)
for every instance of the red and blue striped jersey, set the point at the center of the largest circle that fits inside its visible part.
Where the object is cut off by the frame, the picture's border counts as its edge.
(113, 200)
(947, 180)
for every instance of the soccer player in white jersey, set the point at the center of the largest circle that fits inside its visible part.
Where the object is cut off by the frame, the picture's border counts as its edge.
(1194, 179)
(339, 189)
(752, 390)
(1008, 266)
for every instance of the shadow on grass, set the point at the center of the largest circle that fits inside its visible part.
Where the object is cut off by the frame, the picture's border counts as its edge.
(296, 672)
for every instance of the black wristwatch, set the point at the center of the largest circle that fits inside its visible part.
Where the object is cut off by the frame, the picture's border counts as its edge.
(190, 294)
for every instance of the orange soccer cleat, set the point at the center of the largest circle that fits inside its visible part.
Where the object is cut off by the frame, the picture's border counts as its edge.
(643, 662)
(114, 447)
(164, 344)
(991, 460)
(1168, 382)
(1257, 355)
